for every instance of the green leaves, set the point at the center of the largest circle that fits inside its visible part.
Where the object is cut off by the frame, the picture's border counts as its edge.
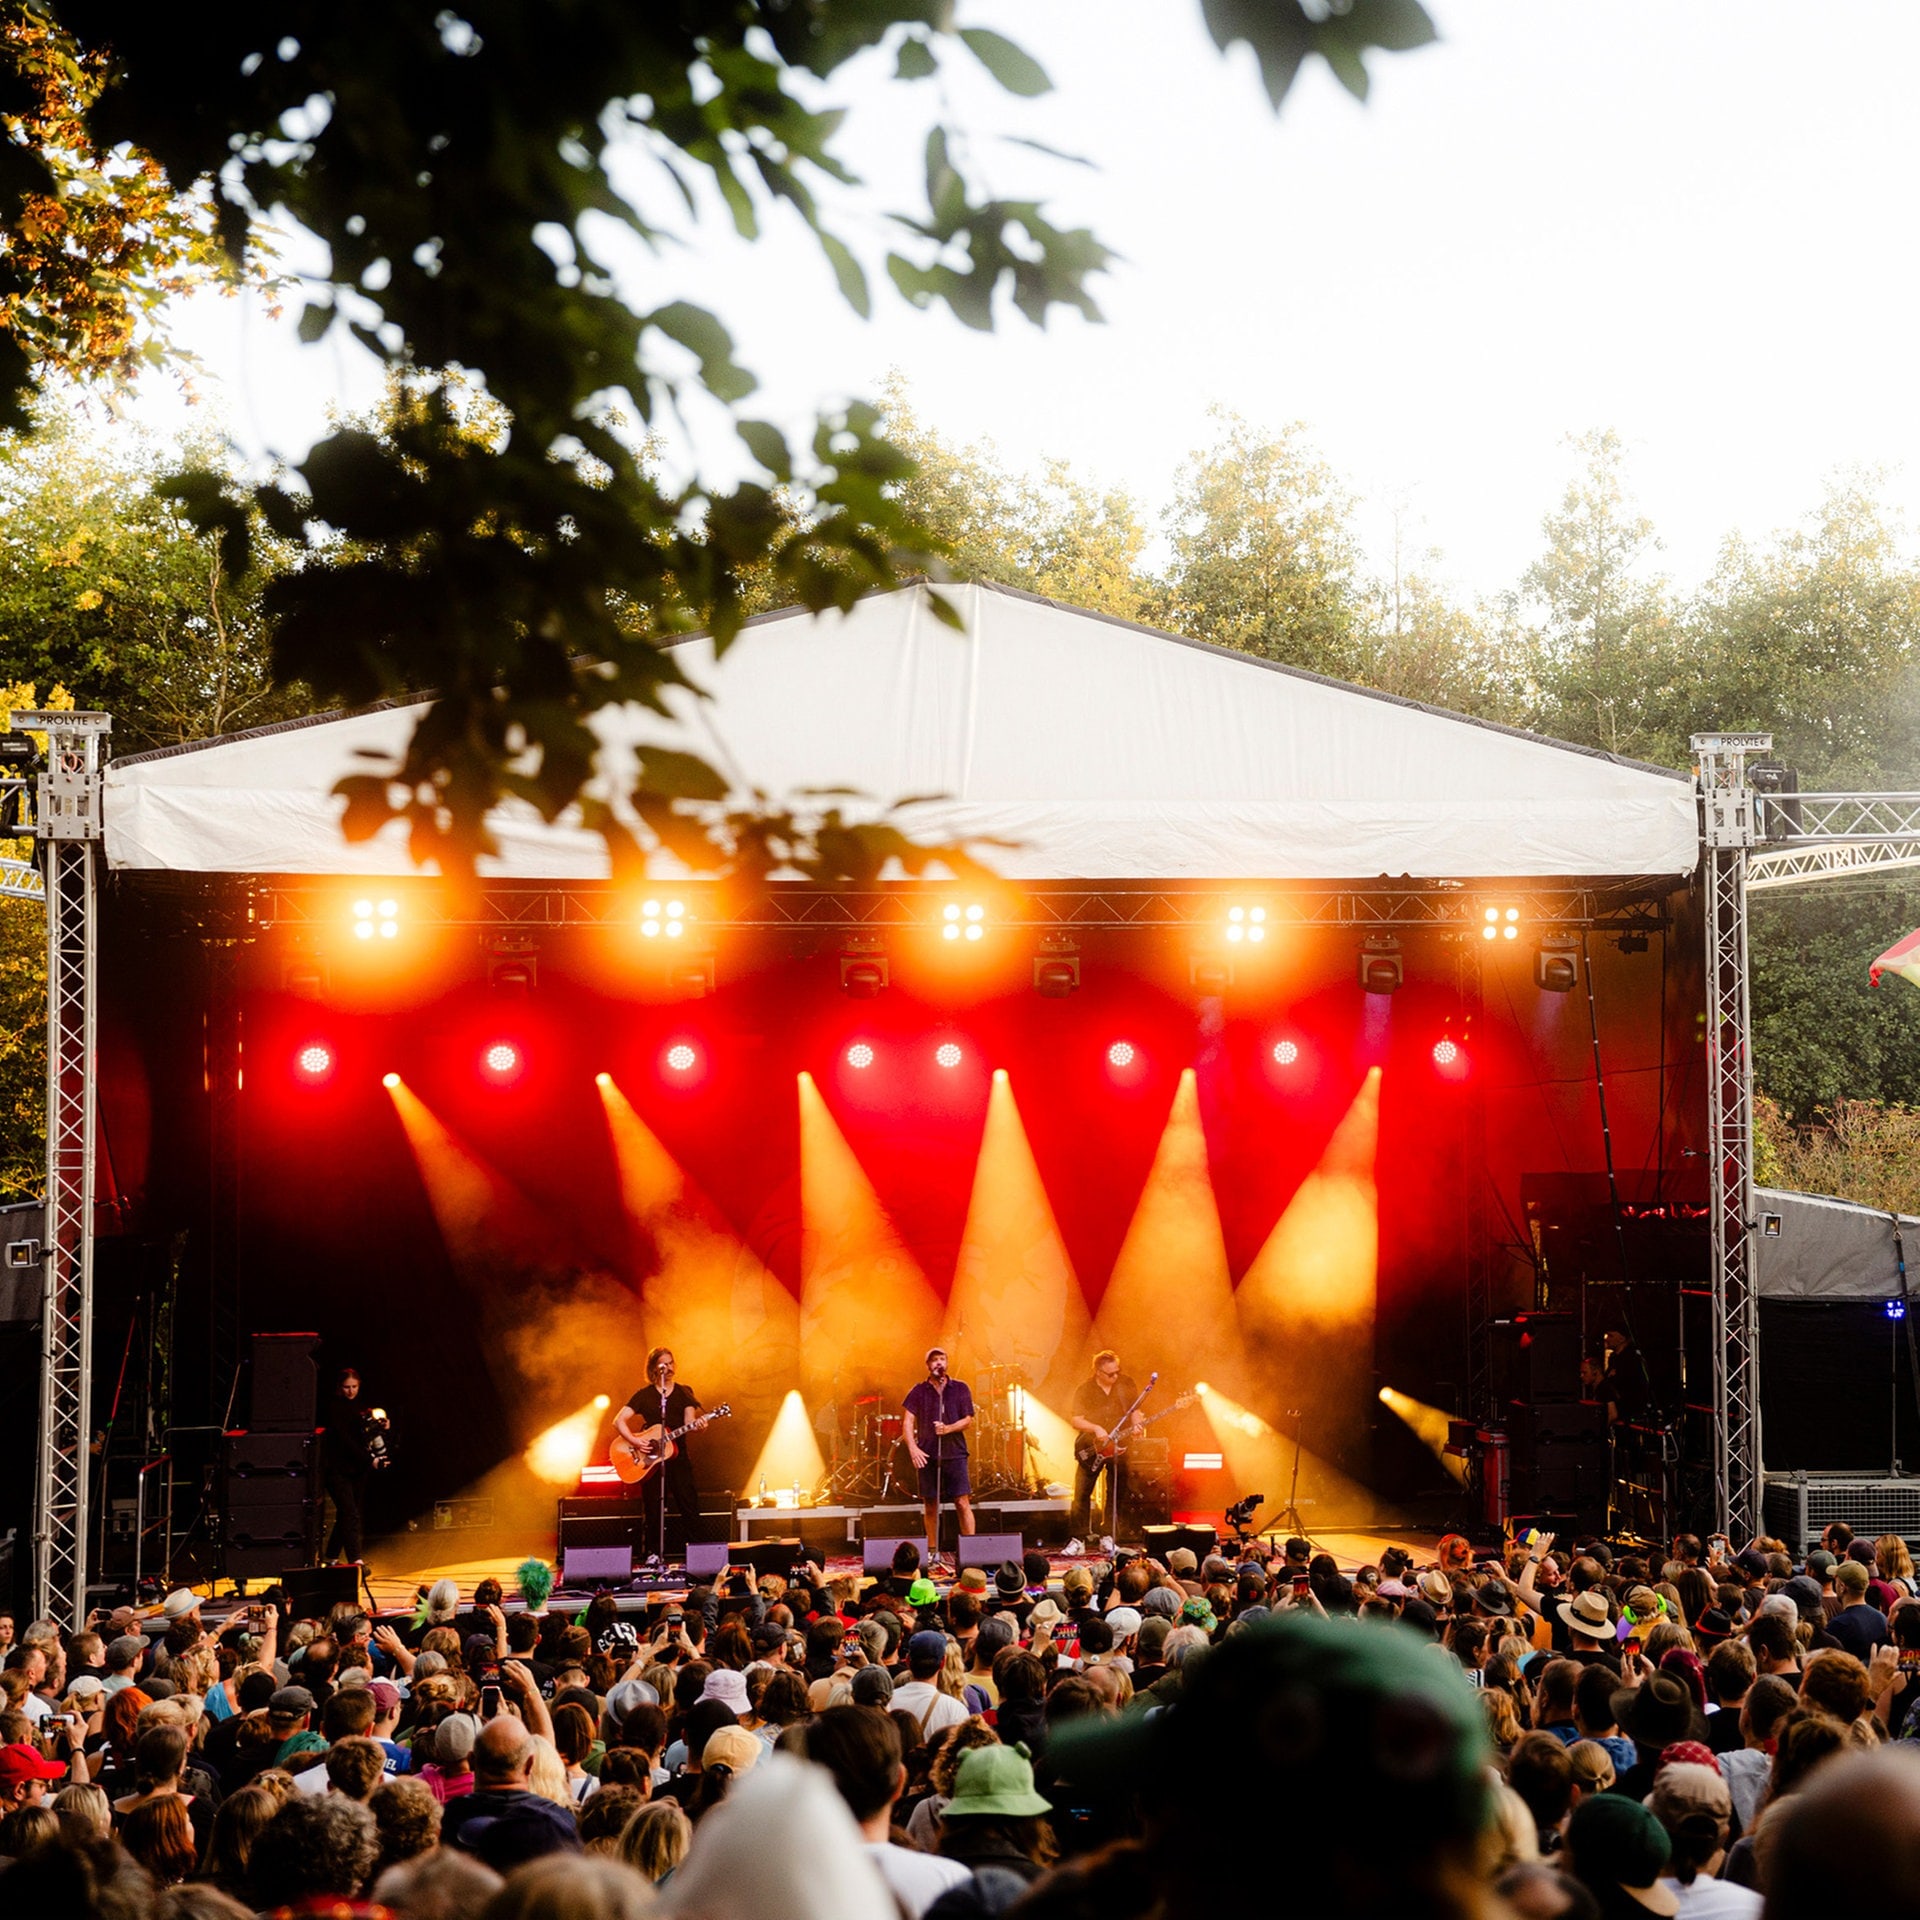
(1284, 34)
(1016, 69)
(710, 343)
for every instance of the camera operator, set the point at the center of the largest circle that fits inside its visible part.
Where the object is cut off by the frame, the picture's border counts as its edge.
(355, 1435)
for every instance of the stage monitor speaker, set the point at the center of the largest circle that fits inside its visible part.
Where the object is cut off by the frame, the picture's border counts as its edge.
(766, 1556)
(706, 1559)
(1161, 1541)
(989, 1549)
(285, 1395)
(312, 1592)
(1536, 1358)
(877, 1551)
(597, 1565)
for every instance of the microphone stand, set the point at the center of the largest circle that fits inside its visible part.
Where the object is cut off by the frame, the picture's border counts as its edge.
(660, 1523)
(1113, 1465)
(939, 1463)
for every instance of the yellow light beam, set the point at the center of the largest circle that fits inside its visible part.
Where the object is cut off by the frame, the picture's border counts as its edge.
(1429, 1423)
(866, 1309)
(557, 1455)
(1014, 1289)
(1052, 1440)
(790, 1455)
(1320, 1265)
(1169, 1300)
(485, 1220)
(734, 1329)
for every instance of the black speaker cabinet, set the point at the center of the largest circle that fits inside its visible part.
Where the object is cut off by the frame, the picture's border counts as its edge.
(1161, 1541)
(263, 1469)
(313, 1592)
(285, 1384)
(1536, 1358)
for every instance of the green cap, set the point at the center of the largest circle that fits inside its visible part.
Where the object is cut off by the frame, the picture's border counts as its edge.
(994, 1780)
(923, 1593)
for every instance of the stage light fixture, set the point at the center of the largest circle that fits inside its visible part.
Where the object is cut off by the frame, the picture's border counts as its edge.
(1056, 967)
(603, 1079)
(1248, 924)
(389, 1081)
(1446, 1052)
(663, 919)
(376, 919)
(1382, 967)
(860, 1055)
(1896, 1309)
(963, 920)
(1121, 1054)
(1556, 966)
(314, 1062)
(1500, 923)
(946, 1054)
(513, 969)
(863, 967)
(1286, 1053)
(501, 1060)
(681, 1058)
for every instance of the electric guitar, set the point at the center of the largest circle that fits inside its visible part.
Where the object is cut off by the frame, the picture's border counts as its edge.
(1087, 1449)
(634, 1460)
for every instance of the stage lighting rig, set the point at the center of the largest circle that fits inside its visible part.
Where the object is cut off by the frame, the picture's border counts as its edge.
(663, 918)
(19, 758)
(513, 968)
(1556, 965)
(1382, 967)
(864, 973)
(948, 1054)
(1500, 923)
(860, 1056)
(963, 920)
(1122, 1054)
(1246, 924)
(314, 1062)
(1056, 967)
(1286, 1053)
(377, 919)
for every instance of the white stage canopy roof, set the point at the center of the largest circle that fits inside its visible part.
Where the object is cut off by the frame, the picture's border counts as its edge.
(1104, 750)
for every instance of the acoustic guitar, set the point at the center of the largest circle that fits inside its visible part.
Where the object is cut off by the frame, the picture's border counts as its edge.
(1086, 1448)
(635, 1460)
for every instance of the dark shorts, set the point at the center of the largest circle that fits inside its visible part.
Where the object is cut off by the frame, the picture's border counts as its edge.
(951, 1479)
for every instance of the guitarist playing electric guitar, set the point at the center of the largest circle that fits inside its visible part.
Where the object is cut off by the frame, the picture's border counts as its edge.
(662, 1406)
(1102, 1403)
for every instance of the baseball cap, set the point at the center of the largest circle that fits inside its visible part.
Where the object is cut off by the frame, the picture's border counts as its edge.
(1076, 1581)
(872, 1687)
(927, 1646)
(1686, 1791)
(1852, 1575)
(1820, 1563)
(1180, 1560)
(733, 1747)
(1163, 1600)
(1804, 1592)
(293, 1700)
(85, 1683)
(1125, 1621)
(386, 1696)
(1751, 1561)
(1616, 1842)
(18, 1761)
(453, 1738)
(995, 1780)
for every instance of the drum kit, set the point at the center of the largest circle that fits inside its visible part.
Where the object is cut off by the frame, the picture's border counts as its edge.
(864, 1438)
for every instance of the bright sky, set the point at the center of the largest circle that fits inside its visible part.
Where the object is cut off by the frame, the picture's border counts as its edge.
(1688, 223)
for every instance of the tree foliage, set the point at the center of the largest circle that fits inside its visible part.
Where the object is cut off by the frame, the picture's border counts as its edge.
(455, 167)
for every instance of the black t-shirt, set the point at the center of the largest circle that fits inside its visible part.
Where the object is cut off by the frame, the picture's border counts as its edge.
(343, 1447)
(682, 1404)
(1103, 1409)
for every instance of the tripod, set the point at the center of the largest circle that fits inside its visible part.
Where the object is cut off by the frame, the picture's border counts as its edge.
(1290, 1516)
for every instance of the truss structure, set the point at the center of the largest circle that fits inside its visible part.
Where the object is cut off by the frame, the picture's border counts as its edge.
(20, 880)
(67, 827)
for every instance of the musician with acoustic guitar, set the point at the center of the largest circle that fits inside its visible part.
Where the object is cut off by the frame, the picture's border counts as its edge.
(652, 1414)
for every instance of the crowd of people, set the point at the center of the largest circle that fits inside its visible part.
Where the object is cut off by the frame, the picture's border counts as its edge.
(1543, 1732)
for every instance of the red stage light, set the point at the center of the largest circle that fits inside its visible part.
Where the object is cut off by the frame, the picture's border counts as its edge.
(1285, 1052)
(860, 1054)
(1446, 1053)
(1121, 1054)
(502, 1059)
(681, 1058)
(314, 1062)
(947, 1054)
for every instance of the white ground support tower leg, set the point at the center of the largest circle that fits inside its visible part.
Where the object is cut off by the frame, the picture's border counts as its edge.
(67, 825)
(1729, 830)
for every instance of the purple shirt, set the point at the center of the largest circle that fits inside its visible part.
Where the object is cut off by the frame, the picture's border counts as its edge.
(927, 1408)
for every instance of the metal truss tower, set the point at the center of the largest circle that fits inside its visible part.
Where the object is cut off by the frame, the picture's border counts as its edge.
(67, 827)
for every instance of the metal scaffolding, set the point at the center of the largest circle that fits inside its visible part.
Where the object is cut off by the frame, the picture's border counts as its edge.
(67, 826)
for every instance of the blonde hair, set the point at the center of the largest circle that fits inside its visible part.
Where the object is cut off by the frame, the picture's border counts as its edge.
(85, 1811)
(654, 1841)
(1503, 1716)
(1510, 1836)
(549, 1776)
(952, 1677)
(1891, 1557)
(1592, 1763)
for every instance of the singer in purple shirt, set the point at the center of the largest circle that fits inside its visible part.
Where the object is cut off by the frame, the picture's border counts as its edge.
(939, 1410)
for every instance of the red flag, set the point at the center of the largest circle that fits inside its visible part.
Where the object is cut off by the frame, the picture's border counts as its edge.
(1903, 958)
